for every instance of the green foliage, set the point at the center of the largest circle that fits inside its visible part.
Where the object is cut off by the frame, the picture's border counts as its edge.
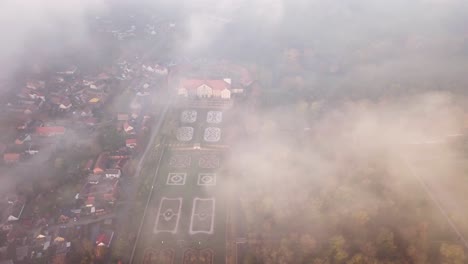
(452, 254)
(111, 139)
(362, 210)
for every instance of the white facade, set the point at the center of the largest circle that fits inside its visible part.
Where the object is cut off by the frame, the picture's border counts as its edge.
(204, 91)
(182, 92)
(113, 174)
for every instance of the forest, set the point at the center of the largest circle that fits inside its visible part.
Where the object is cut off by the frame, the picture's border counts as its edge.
(323, 163)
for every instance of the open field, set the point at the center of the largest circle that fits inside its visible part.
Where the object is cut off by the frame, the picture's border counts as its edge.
(187, 210)
(185, 219)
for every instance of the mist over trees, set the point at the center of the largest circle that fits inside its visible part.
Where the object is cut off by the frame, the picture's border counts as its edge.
(319, 163)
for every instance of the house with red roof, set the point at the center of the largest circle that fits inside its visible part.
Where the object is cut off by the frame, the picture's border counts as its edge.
(48, 131)
(113, 173)
(101, 163)
(214, 88)
(131, 143)
(105, 238)
(11, 158)
(59, 258)
(104, 190)
(22, 138)
(122, 117)
(87, 166)
(128, 128)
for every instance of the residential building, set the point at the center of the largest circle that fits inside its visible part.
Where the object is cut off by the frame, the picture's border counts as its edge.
(112, 173)
(131, 143)
(48, 131)
(219, 89)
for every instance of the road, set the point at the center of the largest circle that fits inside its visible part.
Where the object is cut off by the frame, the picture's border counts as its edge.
(131, 185)
(150, 195)
(82, 221)
(149, 148)
(442, 179)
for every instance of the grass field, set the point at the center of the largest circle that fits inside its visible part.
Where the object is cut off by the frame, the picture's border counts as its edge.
(185, 220)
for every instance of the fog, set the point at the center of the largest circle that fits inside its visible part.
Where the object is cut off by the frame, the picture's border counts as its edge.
(351, 93)
(349, 176)
(40, 29)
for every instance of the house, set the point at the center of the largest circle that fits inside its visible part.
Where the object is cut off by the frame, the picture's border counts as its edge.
(43, 245)
(24, 125)
(131, 143)
(103, 191)
(105, 238)
(34, 85)
(31, 94)
(112, 173)
(101, 163)
(22, 110)
(10, 158)
(65, 104)
(70, 71)
(59, 258)
(88, 166)
(103, 76)
(161, 70)
(48, 131)
(94, 100)
(103, 242)
(22, 138)
(86, 112)
(22, 253)
(32, 149)
(94, 178)
(143, 93)
(205, 88)
(122, 117)
(16, 209)
(128, 128)
(89, 121)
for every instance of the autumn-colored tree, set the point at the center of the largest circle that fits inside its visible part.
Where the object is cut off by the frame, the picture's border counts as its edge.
(385, 243)
(338, 249)
(452, 254)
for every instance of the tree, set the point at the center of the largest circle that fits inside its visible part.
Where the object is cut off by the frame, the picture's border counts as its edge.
(361, 217)
(111, 139)
(386, 244)
(452, 254)
(88, 251)
(307, 244)
(250, 259)
(337, 245)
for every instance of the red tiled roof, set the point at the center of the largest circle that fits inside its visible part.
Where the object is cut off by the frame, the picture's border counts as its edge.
(112, 171)
(101, 239)
(66, 102)
(90, 200)
(101, 163)
(48, 131)
(88, 164)
(122, 117)
(90, 120)
(127, 127)
(131, 141)
(55, 99)
(191, 84)
(103, 76)
(59, 258)
(11, 157)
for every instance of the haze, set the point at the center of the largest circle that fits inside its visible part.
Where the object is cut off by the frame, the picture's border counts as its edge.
(233, 131)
